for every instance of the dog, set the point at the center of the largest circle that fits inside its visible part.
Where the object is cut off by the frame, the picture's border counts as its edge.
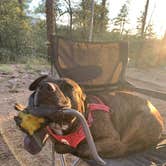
(120, 122)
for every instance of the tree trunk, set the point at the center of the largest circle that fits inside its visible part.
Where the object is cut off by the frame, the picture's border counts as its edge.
(102, 15)
(122, 30)
(20, 2)
(139, 58)
(71, 15)
(21, 7)
(91, 21)
(84, 18)
(144, 19)
(50, 21)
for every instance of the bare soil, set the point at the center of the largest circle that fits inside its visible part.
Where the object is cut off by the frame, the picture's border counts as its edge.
(14, 88)
(6, 157)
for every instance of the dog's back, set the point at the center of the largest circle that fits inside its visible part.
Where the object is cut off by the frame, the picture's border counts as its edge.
(135, 119)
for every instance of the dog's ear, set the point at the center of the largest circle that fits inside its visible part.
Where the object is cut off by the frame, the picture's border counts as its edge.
(69, 85)
(74, 92)
(35, 83)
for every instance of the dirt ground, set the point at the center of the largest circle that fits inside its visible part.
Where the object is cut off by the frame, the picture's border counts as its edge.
(14, 88)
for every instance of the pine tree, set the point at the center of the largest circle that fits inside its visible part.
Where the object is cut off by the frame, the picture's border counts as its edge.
(149, 32)
(82, 17)
(121, 20)
(15, 29)
(139, 25)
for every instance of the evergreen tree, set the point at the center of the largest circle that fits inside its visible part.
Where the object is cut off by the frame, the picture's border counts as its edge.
(139, 25)
(121, 20)
(144, 18)
(15, 29)
(148, 32)
(82, 15)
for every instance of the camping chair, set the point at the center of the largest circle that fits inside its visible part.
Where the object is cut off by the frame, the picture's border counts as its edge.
(99, 67)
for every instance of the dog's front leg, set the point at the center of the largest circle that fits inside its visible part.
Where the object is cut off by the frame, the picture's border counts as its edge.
(83, 150)
(63, 148)
(104, 148)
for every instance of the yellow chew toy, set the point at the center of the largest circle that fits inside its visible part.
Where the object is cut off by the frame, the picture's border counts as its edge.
(30, 123)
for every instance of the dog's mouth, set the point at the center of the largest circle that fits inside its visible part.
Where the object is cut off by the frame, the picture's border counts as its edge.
(61, 128)
(56, 128)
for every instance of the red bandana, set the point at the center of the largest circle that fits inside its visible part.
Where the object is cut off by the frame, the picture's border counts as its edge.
(76, 137)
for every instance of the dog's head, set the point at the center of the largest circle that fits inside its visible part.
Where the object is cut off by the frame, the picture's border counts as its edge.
(52, 96)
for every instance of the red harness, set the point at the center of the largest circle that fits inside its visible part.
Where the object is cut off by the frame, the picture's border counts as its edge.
(76, 137)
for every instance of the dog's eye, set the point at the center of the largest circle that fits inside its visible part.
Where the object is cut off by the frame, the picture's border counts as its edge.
(51, 87)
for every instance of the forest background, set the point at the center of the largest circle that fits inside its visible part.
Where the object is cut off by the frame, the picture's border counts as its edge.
(23, 31)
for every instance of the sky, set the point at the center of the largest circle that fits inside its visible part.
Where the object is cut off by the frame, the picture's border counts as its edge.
(157, 12)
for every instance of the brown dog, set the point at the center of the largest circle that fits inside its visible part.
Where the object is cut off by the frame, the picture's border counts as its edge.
(131, 124)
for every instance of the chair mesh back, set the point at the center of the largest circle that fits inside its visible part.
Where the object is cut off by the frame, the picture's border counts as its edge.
(92, 64)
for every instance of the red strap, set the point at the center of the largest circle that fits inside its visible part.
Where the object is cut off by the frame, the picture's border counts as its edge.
(101, 107)
(76, 137)
(95, 107)
(72, 139)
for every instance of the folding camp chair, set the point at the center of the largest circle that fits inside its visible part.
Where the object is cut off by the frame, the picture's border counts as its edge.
(93, 65)
(99, 67)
